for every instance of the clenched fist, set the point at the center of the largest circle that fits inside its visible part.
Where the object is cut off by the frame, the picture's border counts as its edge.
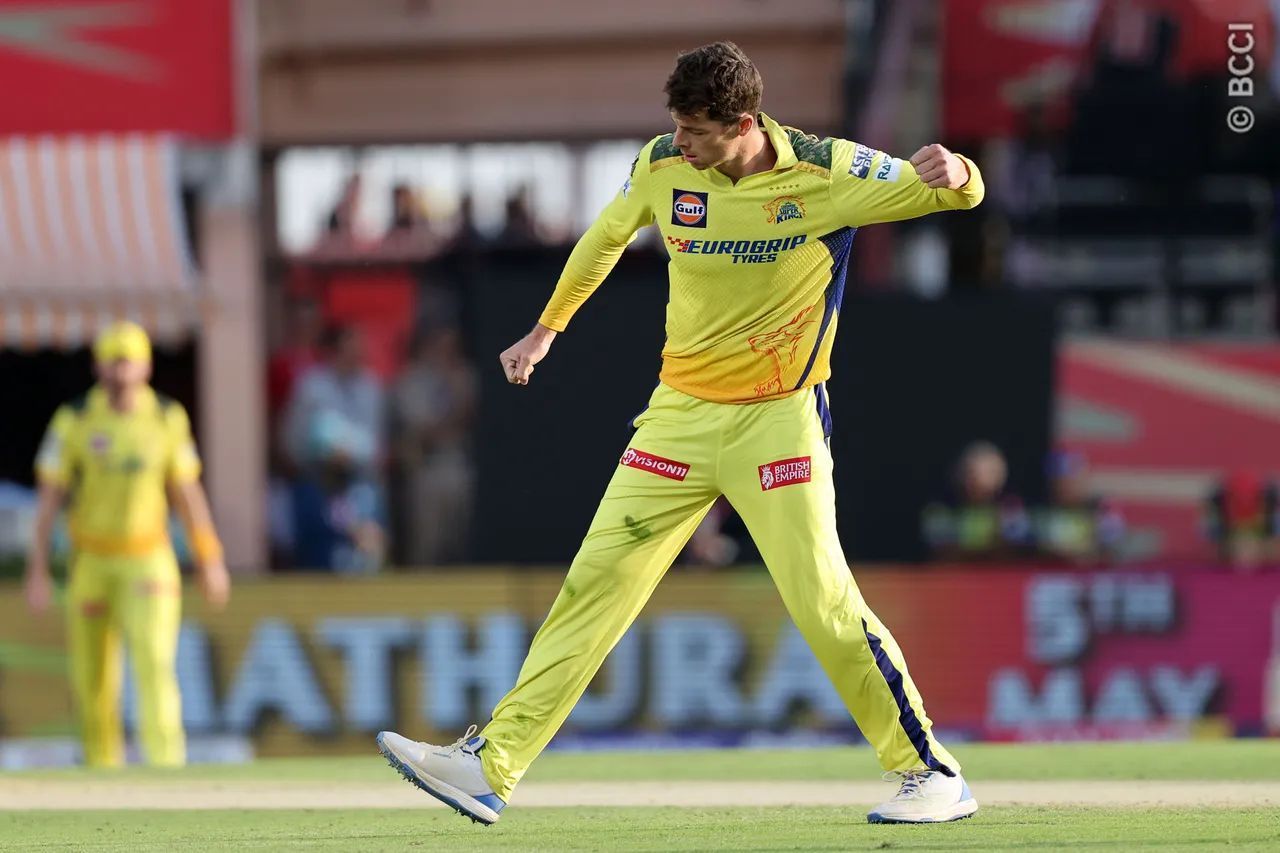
(519, 359)
(939, 168)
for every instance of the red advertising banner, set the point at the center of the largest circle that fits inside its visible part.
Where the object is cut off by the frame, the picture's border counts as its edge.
(113, 66)
(1001, 57)
(1165, 424)
(1046, 656)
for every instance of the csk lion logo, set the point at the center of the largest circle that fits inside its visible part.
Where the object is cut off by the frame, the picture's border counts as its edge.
(784, 207)
(779, 347)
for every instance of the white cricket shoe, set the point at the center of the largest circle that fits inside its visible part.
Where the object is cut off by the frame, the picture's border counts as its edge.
(925, 796)
(451, 774)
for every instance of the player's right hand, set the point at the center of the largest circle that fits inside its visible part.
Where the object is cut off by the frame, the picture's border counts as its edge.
(518, 360)
(38, 590)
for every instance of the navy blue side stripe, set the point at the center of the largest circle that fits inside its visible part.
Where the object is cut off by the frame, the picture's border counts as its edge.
(906, 714)
(824, 408)
(838, 243)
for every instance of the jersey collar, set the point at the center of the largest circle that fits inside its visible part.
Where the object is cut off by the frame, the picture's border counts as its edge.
(781, 142)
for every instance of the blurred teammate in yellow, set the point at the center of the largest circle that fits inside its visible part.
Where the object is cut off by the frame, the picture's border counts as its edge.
(117, 456)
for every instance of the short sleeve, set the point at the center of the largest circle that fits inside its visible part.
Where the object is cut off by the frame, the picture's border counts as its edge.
(55, 460)
(183, 462)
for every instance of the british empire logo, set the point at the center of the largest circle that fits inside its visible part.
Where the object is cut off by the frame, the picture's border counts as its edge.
(785, 472)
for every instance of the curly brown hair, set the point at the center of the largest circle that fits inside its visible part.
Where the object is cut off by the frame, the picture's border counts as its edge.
(718, 78)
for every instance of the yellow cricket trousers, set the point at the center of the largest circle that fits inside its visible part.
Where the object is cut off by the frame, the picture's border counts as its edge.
(137, 599)
(771, 460)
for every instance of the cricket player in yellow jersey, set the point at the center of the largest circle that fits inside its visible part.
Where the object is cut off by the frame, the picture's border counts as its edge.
(118, 457)
(758, 221)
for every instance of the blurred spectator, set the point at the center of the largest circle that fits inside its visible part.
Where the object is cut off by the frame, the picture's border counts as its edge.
(409, 232)
(467, 234)
(520, 227)
(406, 211)
(333, 438)
(1025, 173)
(338, 519)
(304, 324)
(983, 521)
(300, 352)
(1077, 526)
(1127, 98)
(433, 407)
(340, 228)
(337, 409)
(1241, 519)
(1023, 181)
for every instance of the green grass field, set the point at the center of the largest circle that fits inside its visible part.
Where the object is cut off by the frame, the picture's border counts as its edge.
(1255, 825)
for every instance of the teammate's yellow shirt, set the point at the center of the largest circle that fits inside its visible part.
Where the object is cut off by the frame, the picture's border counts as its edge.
(757, 267)
(115, 467)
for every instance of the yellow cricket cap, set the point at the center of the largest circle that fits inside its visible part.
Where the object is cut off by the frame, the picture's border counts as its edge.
(123, 340)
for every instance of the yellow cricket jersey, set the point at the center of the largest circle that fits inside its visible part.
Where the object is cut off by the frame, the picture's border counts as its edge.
(115, 467)
(757, 267)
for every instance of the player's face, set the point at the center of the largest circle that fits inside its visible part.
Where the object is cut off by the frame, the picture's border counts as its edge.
(123, 373)
(706, 143)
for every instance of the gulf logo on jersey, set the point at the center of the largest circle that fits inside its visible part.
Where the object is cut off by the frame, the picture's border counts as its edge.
(688, 209)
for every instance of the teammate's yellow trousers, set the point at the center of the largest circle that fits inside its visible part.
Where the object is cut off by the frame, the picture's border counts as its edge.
(137, 599)
(772, 462)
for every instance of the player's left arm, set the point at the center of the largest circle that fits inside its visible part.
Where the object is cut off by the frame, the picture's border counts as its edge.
(870, 186)
(188, 498)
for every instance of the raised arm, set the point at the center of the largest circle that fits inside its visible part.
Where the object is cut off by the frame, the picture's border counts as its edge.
(590, 262)
(869, 186)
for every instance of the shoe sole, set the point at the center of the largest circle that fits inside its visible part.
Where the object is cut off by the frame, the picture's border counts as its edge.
(442, 791)
(959, 811)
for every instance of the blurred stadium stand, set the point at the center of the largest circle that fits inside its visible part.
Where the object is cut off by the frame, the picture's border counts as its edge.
(1153, 260)
(415, 168)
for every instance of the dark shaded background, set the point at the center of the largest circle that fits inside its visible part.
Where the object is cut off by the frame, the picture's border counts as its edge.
(913, 383)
